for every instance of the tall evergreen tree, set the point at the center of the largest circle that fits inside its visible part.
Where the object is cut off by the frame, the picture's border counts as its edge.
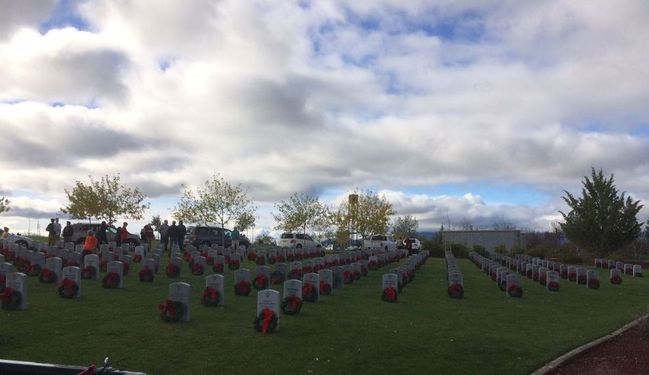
(602, 220)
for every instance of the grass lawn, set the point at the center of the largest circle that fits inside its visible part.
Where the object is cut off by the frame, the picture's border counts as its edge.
(350, 332)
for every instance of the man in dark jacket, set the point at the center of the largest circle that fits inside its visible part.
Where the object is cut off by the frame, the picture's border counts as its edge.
(182, 231)
(68, 232)
(101, 233)
(173, 234)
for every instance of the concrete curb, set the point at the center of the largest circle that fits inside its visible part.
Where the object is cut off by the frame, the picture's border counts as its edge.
(554, 364)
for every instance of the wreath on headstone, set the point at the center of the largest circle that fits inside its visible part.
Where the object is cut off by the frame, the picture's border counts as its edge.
(218, 267)
(68, 288)
(171, 311)
(10, 299)
(616, 280)
(291, 305)
(276, 278)
(260, 282)
(309, 293)
(307, 269)
(295, 274)
(137, 258)
(325, 288)
(455, 291)
(389, 295)
(348, 277)
(23, 265)
(47, 276)
(211, 297)
(572, 276)
(242, 288)
(88, 272)
(146, 275)
(515, 291)
(234, 264)
(593, 284)
(110, 281)
(172, 270)
(198, 269)
(209, 260)
(266, 321)
(252, 256)
(553, 286)
(34, 270)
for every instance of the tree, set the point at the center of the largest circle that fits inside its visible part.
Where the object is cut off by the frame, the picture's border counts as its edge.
(105, 199)
(4, 204)
(367, 215)
(601, 220)
(245, 221)
(264, 239)
(405, 226)
(217, 201)
(300, 212)
(156, 222)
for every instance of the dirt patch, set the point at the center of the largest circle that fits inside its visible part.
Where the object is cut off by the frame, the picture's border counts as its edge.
(627, 353)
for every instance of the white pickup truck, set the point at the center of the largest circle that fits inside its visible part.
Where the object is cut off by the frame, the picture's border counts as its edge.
(380, 241)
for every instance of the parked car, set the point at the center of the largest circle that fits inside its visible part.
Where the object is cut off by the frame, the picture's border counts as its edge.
(380, 241)
(209, 235)
(297, 240)
(415, 245)
(20, 240)
(80, 231)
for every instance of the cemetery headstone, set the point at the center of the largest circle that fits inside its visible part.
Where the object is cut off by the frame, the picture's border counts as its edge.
(615, 276)
(552, 281)
(177, 307)
(311, 287)
(114, 278)
(268, 306)
(592, 279)
(514, 289)
(326, 282)
(15, 292)
(242, 284)
(70, 286)
(637, 270)
(262, 278)
(214, 294)
(390, 287)
(292, 297)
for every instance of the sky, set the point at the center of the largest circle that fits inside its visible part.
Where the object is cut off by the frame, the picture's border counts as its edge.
(476, 112)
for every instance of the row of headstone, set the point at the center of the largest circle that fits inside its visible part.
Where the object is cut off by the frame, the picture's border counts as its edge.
(508, 282)
(454, 277)
(625, 268)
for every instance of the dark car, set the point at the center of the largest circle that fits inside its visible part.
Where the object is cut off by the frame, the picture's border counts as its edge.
(80, 230)
(208, 235)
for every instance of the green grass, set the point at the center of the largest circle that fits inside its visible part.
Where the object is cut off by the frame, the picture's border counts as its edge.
(351, 332)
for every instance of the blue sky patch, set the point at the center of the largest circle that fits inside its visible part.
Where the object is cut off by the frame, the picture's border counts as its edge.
(65, 14)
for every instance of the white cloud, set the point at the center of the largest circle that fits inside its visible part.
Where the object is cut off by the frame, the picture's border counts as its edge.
(331, 96)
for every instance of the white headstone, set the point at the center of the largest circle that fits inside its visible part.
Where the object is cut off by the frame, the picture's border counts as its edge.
(118, 268)
(18, 281)
(312, 279)
(269, 299)
(552, 281)
(182, 292)
(74, 274)
(217, 282)
(54, 264)
(390, 280)
(292, 288)
(637, 270)
(92, 260)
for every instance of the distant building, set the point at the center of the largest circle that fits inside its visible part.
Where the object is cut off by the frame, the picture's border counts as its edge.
(489, 239)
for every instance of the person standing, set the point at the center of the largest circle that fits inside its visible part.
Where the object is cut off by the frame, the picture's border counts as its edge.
(149, 235)
(123, 233)
(182, 231)
(102, 237)
(164, 234)
(173, 235)
(235, 239)
(51, 236)
(68, 231)
(57, 229)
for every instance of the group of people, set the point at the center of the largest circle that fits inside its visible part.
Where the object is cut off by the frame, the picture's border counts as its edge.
(171, 235)
(53, 231)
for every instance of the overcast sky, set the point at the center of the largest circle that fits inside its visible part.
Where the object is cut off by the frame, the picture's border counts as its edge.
(480, 111)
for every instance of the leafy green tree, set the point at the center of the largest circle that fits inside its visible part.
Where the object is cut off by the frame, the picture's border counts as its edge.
(300, 212)
(105, 199)
(405, 226)
(369, 214)
(602, 220)
(156, 222)
(4, 204)
(217, 201)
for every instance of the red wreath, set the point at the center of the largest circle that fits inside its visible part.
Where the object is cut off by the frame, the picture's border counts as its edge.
(137, 258)
(209, 260)
(277, 278)
(211, 297)
(172, 270)
(23, 265)
(317, 267)
(10, 299)
(325, 288)
(307, 269)
(572, 276)
(616, 280)
(309, 293)
(348, 277)
(242, 288)
(110, 281)
(171, 311)
(295, 274)
(593, 284)
(218, 267)
(252, 256)
(146, 275)
(88, 272)
(47, 276)
(197, 269)
(234, 264)
(291, 305)
(553, 286)
(513, 291)
(68, 288)
(455, 291)
(260, 282)
(266, 321)
(389, 295)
